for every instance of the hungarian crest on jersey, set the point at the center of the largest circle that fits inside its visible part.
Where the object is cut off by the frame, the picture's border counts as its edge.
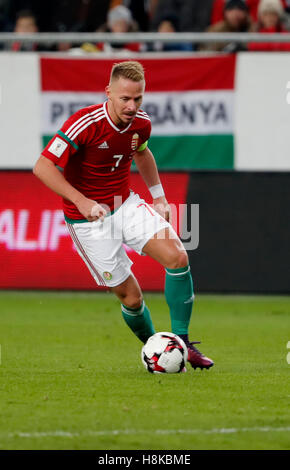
(134, 143)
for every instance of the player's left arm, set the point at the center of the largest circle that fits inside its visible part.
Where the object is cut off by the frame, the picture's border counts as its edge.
(147, 167)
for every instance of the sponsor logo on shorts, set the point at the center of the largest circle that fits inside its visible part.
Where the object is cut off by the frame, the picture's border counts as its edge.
(108, 276)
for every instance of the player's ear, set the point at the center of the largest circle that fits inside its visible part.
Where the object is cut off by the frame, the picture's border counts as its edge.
(108, 91)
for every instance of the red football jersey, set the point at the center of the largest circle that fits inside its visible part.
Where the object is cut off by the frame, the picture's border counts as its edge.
(96, 155)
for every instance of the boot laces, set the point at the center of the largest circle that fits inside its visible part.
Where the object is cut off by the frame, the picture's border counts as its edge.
(193, 348)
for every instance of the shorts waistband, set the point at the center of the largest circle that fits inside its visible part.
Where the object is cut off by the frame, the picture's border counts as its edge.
(83, 221)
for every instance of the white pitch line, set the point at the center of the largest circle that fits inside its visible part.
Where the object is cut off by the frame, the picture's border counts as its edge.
(120, 432)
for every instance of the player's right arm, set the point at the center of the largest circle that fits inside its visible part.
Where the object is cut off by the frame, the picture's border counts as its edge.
(48, 173)
(57, 153)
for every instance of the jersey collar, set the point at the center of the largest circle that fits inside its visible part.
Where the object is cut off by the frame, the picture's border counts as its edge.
(121, 131)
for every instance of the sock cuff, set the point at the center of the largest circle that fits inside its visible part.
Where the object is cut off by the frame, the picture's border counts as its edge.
(178, 271)
(133, 311)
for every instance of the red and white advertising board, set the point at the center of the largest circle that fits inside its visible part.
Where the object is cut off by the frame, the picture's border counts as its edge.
(36, 250)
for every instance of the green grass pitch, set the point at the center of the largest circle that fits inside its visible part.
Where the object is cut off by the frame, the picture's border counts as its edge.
(71, 376)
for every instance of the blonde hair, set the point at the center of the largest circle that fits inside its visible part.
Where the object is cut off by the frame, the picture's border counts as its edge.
(130, 69)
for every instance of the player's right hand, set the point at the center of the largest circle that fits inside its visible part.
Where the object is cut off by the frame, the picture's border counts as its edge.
(91, 210)
(98, 212)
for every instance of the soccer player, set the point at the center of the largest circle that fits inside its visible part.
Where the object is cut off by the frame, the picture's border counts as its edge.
(95, 148)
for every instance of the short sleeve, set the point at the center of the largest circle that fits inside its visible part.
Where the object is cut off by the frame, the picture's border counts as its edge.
(145, 135)
(68, 139)
(142, 146)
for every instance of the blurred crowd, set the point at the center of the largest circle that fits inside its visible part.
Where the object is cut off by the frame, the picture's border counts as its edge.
(163, 16)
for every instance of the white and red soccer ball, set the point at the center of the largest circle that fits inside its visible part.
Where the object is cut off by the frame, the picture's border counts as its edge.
(164, 353)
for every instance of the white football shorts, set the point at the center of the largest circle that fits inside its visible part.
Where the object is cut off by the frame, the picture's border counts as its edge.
(101, 244)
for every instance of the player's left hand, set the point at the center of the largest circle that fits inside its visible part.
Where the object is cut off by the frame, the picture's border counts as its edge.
(162, 207)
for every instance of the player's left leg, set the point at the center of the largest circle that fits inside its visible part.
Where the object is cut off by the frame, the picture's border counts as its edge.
(134, 310)
(146, 232)
(166, 248)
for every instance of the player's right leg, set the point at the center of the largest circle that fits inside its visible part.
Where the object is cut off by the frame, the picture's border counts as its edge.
(134, 310)
(110, 266)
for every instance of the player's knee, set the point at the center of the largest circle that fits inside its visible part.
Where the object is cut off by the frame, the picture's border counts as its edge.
(178, 260)
(133, 301)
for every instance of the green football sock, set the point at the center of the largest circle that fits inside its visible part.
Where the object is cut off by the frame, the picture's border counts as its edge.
(139, 320)
(179, 296)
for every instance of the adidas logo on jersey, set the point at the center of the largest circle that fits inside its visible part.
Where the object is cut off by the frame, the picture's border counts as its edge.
(104, 145)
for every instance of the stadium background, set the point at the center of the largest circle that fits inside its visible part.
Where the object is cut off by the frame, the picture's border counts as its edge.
(221, 140)
(70, 371)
